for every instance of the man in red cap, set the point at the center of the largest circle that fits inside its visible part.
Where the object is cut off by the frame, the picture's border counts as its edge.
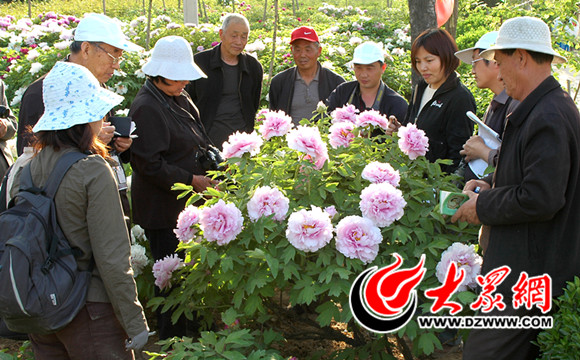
(298, 90)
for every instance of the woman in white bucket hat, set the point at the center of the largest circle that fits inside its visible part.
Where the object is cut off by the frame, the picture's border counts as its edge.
(170, 147)
(90, 215)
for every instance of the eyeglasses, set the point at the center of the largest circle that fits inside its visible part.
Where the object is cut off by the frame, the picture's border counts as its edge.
(476, 60)
(116, 60)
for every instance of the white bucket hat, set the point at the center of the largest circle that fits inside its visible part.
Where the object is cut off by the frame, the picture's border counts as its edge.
(172, 58)
(368, 53)
(528, 33)
(484, 43)
(101, 28)
(72, 96)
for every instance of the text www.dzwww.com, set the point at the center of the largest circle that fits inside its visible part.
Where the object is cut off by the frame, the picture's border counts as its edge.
(485, 322)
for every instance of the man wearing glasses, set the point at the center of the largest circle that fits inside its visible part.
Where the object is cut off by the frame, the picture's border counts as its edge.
(486, 75)
(98, 45)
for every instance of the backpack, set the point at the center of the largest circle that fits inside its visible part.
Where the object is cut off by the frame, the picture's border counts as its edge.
(41, 287)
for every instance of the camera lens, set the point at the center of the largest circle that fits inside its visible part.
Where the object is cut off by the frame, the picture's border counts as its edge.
(4, 111)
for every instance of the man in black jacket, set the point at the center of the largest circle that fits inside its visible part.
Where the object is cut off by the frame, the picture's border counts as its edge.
(298, 90)
(368, 91)
(531, 204)
(229, 97)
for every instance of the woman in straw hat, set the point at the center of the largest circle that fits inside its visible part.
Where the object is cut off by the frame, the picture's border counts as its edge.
(90, 215)
(170, 147)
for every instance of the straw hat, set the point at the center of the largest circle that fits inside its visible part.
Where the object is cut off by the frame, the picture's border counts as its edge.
(526, 33)
(484, 43)
(172, 58)
(72, 96)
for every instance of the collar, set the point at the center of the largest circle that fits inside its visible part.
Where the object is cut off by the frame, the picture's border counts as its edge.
(316, 77)
(519, 115)
(216, 59)
(501, 98)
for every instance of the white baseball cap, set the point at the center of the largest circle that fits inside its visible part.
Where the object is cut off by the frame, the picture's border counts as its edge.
(172, 58)
(101, 28)
(484, 43)
(72, 96)
(368, 53)
(525, 32)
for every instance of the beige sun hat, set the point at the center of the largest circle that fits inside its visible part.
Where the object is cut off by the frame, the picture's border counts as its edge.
(172, 58)
(525, 32)
(484, 43)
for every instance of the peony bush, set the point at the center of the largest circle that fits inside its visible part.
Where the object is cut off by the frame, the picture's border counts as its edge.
(295, 221)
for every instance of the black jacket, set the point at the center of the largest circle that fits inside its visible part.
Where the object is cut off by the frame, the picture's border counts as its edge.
(443, 119)
(282, 87)
(391, 104)
(533, 208)
(162, 155)
(206, 92)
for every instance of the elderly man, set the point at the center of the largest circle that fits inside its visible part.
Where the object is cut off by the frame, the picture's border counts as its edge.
(229, 97)
(531, 203)
(486, 77)
(368, 91)
(98, 45)
(298, 90)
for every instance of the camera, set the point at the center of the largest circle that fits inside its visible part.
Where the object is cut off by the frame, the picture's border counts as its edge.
(210, 158)
(4, 112)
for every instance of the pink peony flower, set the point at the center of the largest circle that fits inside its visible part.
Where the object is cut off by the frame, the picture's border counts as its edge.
(372, 117)
(377, 172)
(221, 222)
(162, 270)
(466, 258)
(261, 115)
(240, 143)
(331, 211)
(267, 201)
(345, 113)
(307, 140)
(358, 238)
(188, 217)
(382, 203)
(276, 123)
(309, 230)
(413, 141)
(340, 134)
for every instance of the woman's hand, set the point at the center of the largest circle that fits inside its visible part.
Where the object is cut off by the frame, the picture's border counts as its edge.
(106, 133)
(200, 183)
(475, 148)
(122, 144)
(393, 126)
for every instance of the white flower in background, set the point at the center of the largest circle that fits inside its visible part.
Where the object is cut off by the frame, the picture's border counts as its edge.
(63, 45)
(35, 67)
(138, 259)
(32, 54)
(124, 112)
(137, 232)
(67, 35)
(328, 64)
(341, 50)
(121, 89)
(354, 41)
(18, 96)
(257, 45)
(140, 74)
(119, 72)
(398, 52)
(163, 18)
(172, 25)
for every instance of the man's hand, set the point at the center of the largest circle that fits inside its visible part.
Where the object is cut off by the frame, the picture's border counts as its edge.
(393, 126)
(200, 183)
(475, 148)
(122, 144)
(107, 132)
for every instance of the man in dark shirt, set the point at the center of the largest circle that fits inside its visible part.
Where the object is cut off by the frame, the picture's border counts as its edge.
(229, 97)
(297, 90)
(531, 203)
(368, 91)
(486, 77)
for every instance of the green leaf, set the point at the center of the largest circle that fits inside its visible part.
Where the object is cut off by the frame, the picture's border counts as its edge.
(270, 336)
(288, 254)
(428, 342)
(227, 264)
(240, 338)
(273, 264)
(212, 257)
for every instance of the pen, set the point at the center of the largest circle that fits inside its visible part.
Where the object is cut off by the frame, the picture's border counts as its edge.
(476, 190)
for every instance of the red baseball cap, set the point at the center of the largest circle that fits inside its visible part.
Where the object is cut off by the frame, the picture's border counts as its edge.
(304, 33)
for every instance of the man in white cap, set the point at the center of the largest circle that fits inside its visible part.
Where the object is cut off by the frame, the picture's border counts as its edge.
(531, 203)
(297, 90)
(368, 92)
(98, 45)
(486, 73)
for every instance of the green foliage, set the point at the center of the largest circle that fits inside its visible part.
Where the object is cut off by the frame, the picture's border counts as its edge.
(562, 341)
(24, 353)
